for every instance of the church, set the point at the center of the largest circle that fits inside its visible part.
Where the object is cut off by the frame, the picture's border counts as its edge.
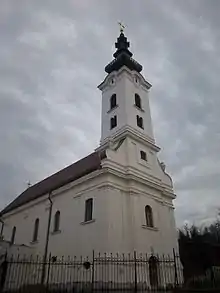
(117, 199)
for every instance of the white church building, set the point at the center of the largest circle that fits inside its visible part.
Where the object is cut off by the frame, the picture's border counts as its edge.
(117, 199)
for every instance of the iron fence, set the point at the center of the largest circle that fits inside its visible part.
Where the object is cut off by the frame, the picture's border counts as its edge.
(99, 272)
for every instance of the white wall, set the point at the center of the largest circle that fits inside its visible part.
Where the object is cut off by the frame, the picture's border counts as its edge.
(118, 220)
(128, 155)
(117, 88)
(124, 87)
(130, 89)
(75, 236)
(24, 222)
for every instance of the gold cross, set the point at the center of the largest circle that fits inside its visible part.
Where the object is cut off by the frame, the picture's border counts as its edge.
(122, 27)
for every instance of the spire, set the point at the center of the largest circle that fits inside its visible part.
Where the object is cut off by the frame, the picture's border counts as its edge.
(122, 46)
(122, 55)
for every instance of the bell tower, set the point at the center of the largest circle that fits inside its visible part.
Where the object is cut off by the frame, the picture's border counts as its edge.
(137, 184)
(125, 101)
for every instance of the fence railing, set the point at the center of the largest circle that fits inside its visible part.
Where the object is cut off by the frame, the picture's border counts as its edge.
(99, 272)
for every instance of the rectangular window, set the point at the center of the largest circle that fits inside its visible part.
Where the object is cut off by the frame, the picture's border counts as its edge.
(36, 229)
(143, 155)
(140, 122)
(113, 122)
(137, 101)
(113, 101)
(88, 209)
(13, 236)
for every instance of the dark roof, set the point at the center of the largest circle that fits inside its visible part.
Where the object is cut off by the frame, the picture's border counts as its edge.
(122, 57)
(64, 176)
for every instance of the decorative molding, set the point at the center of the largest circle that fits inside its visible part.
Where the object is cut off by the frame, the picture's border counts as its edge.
(79, 181)
(139, 109)
(88, 189)
(145, 164)
(55, 193)
(150, 228)
(130, 190)
(55, 232)
(136, 176)
(167, 189)
(112, 110)
(34, 242)
(119, 144)
(88, 222)
(133, 133)
(108, 167)
(25, 216)
(28, 205)
(143, 83)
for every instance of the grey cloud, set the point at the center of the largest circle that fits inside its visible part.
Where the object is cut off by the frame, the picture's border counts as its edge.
(52, 57)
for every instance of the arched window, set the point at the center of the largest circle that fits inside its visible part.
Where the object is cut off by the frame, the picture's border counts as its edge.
(56, 222)
(36, 228)
(88, 209)
(149, 216)
(113, 101)
(13, 235)
(137, 101)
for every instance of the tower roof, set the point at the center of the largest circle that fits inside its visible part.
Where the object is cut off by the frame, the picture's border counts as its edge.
(122, 56)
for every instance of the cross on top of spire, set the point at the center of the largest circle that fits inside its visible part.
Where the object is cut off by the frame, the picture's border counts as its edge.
(122, 27)
(123, 57)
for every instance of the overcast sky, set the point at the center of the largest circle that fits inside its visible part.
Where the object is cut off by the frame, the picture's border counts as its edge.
(52, 57)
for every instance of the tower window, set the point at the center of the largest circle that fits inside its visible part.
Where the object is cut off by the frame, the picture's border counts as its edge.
(143, 155)
(88, 209)
(140, 122)
(56, 222)
(149, 216)
(113, 122)
(13, 235)
(36, 228)
(113, 101)
(138, 101)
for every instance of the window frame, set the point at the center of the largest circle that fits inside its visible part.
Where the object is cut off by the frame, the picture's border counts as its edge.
(36, 230)
(13, 234)
(88, 216)
(137, 101)
(143, 155)
(113, 122)
(149, 216)
(56, 225)
(113, 101)
(140, 121)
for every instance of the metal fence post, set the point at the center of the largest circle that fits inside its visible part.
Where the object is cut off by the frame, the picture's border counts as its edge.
(135, 271)
(48, 271)
(93, 270)
(3, 270)
(175, 268)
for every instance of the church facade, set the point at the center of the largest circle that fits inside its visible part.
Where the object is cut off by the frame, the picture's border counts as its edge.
(117, 199)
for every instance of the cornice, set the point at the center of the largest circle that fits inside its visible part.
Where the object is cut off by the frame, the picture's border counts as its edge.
(124, 69)
(128, 131)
